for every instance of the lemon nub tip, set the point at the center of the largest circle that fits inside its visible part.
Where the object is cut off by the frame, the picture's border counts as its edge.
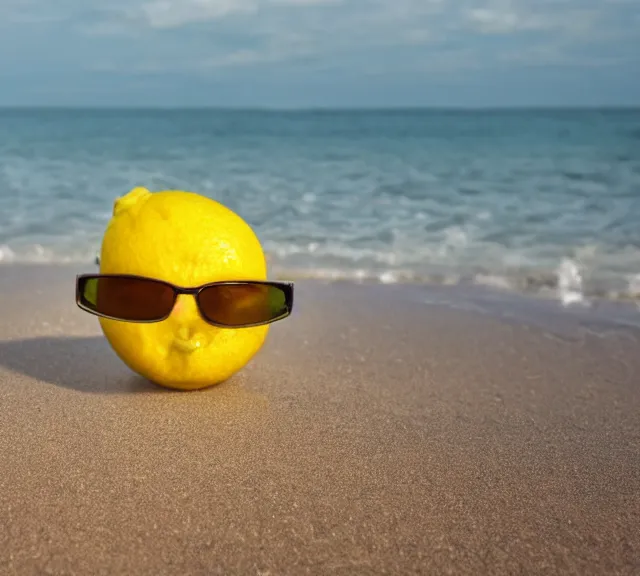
(130, 199)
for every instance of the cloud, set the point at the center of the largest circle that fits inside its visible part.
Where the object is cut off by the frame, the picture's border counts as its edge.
(29, 12)
(172, 14)
(365, 36)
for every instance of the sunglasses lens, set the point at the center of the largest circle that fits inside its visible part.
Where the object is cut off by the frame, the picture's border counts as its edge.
(130, 299)
(243, 304)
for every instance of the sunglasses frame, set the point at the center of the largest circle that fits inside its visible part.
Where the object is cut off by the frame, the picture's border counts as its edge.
(286, 287)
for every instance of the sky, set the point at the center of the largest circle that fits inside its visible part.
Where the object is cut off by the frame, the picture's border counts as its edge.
(320, 53)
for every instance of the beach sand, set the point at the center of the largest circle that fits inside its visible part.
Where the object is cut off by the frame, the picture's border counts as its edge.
(375, 433)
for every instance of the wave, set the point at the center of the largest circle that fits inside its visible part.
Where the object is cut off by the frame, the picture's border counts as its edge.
(569, 281)
(564, 284)
(42, 254)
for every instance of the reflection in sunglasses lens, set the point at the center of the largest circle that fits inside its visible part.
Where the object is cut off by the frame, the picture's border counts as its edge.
(242, 304)
(128, 298)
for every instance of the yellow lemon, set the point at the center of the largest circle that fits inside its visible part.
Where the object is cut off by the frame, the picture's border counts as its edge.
(188, 240)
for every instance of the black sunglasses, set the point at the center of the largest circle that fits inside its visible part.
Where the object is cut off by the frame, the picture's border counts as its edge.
(227, 304)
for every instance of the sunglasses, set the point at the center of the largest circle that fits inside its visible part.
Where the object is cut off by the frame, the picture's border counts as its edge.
(228, 304)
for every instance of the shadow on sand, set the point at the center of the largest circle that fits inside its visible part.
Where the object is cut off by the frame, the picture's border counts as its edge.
(86, 364)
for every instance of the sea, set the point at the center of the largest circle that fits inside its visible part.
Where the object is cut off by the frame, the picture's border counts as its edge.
(530, 201)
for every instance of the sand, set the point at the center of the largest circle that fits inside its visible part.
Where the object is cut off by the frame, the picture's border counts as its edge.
(375, 433)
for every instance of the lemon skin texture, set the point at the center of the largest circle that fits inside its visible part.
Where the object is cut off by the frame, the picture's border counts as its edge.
(186, 239)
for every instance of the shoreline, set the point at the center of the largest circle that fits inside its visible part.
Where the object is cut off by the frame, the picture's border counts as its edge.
(485, 298)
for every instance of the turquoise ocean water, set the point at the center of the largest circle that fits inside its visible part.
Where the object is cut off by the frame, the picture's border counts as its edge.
(542, 201)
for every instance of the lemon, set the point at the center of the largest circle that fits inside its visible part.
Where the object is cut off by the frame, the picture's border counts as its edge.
(186, 239)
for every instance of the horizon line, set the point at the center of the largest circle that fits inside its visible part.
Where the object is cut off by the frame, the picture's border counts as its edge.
(306, 108)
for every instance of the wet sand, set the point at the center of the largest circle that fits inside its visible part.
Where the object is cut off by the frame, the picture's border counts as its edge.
(373, 434)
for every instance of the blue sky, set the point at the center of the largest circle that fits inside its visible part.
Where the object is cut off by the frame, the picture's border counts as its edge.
(298, 53)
